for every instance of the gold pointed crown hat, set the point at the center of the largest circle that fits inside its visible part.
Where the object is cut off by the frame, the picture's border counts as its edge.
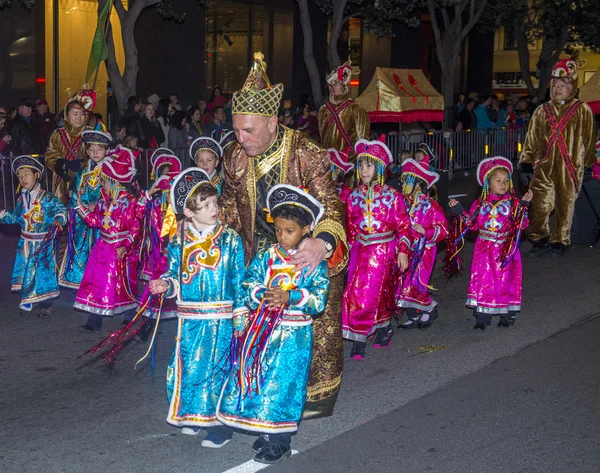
(258, 96)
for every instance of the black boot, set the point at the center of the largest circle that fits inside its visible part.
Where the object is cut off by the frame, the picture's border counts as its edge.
(558, 250)
(504, 322)
(358, 350)
(383, 337)
(413, 320)
(423, 325)
(273, 453)
(146, 331)
(540, 248)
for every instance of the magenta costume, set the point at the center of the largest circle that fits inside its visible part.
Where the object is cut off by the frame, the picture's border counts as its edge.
(377, 228)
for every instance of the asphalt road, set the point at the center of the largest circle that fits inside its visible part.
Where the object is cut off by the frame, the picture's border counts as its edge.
(60, 414)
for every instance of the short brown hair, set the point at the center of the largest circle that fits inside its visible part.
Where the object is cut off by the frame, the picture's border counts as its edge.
(200, 194)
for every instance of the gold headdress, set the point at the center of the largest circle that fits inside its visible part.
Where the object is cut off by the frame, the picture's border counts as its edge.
(258, 96)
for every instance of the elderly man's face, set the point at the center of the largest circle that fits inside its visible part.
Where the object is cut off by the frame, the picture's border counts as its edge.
(254, 133)
(561, 88)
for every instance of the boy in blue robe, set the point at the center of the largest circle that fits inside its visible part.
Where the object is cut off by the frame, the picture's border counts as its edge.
(266, 390)
(205, 277)
(41, 217)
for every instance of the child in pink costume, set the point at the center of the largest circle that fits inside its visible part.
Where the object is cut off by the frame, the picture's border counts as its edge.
(499, 218)
(428, 227)
(110, 275)
(377, 227)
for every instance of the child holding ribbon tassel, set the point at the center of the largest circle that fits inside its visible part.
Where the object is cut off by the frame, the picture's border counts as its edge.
(499, 217)
(266, 389)
(41, 217)
(204, 275)
(86, 187)
(377, 227)
(109, 283)
(428, 227)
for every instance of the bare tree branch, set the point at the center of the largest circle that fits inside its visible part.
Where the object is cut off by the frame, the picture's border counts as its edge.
(121, 12)
(308, 53)
(437, 35)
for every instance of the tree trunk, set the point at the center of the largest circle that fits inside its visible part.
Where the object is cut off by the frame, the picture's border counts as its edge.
(523, 48)
(309, 57)
(337, 23)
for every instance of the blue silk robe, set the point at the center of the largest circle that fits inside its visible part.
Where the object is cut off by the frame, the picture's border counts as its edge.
(35, 273)
(276, 405)
(210, 300)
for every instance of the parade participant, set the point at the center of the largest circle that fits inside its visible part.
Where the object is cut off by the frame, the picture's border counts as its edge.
(342, 121)
(558, 152)
(424, 153)
(340, 167)
(206, 153)
(86, 187)
(499, 218)
(205, 277)
(266, 389)
(268, 154)
(378, 234)
(110, 277)
(63, 155)
(227, 140)
(428, 227)
(41, 217)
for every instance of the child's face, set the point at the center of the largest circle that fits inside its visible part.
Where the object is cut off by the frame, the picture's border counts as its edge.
(419, 155)
(288, 232)
(165, 169)
(27, 178)
(206, 213)
(499, 182)
(206, 161)
(96, 152)
(366, 170)
(287, 104)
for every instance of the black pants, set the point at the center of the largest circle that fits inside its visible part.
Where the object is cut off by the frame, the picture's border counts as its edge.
(221, 431)
(284, 440)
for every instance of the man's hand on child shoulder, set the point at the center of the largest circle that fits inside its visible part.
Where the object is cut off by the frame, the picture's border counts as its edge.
(276, 297)
(158, 286)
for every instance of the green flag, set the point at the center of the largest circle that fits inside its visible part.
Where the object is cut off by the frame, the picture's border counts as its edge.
(99, 50)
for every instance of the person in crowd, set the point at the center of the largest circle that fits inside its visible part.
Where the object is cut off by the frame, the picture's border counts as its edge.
(153, 99)
(218, 127)
(309, 122)
(460, 105)
(152, 129)
(340, 167)
(270, 401)
(194, 119)
(5, 137)
(217, 99)
(118, 134)
(86, 188)
(499, 217)
(163, 110)
(377, 226)
(467, 117)
(110, 277)
(481, 112)
(64, 156)
(204, 113)
(211, 305)
(41, 217)
(206, 153)
(175, 105)
(47, 121)
(24, 130)
(493, 109)
(558, 156)
(133, 119)
(179, 131)
(428, 227)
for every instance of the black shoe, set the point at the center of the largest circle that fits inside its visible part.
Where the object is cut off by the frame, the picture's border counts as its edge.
(432, 316)
(479, 327)
(260, 443)
(146, 331)
(358, 350)
(558, 250)
(540, 248)
(410, 323)
(87, 329)
(383, 337)
(504, 322)
(273, 453)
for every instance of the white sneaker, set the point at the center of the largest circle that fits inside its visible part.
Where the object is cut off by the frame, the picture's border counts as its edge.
(190, 431)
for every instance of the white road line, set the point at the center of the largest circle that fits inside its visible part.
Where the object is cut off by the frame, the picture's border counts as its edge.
(251, 466)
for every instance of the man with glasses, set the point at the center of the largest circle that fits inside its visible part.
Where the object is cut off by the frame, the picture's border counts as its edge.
(558, 155)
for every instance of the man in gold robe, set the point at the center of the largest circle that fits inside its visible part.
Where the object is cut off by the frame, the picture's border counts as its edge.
(558, 155)
(266, 154)
(342, 121)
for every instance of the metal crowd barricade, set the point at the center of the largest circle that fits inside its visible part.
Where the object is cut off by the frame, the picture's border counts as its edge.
(461, 150)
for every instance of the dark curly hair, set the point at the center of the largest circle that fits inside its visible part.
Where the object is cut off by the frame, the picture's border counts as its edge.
(293, 213)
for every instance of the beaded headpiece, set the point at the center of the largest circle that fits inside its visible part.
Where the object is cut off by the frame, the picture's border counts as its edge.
(93, 137)
(205, 144)
(183, 186)
(284, 194)
(27, 162)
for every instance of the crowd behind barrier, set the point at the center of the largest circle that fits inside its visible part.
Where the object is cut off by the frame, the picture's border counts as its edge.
(453, 151)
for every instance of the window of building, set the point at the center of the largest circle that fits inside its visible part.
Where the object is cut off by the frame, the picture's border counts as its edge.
(510, 39)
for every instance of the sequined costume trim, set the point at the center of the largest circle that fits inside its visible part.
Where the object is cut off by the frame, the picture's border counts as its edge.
(205, 310)
(104, 312)
(472, 303)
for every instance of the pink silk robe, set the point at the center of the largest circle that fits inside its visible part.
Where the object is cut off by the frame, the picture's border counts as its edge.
(412, 290)
(493, 289)
(376, 231)
(105, 286)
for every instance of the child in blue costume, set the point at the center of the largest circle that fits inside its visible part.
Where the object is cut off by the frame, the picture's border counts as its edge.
(266, 389)
(206, 279)
(87, 185)
(41, 215)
